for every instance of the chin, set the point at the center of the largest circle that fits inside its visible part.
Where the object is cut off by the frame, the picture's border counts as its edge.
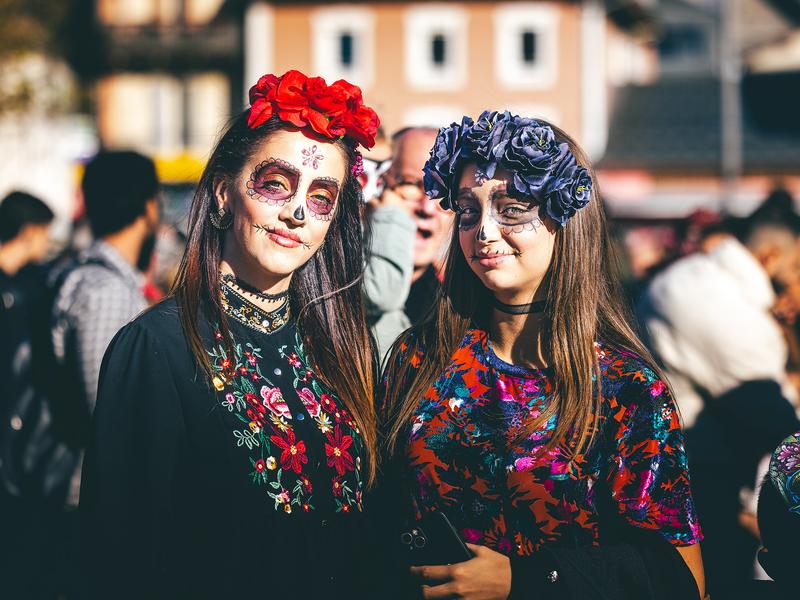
(277, 265)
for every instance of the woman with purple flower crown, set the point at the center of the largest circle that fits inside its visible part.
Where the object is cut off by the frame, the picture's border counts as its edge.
(525, 408)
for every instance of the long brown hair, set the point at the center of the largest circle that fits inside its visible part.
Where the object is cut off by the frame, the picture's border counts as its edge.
(326, 292)
(585, 303)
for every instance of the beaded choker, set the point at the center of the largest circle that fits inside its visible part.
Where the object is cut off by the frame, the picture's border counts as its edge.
(231, 279)
(521, 309)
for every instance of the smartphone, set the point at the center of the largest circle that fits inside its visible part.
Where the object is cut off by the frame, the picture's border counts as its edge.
(434, 541)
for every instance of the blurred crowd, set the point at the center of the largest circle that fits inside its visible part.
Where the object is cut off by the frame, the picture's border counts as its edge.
(717, 298)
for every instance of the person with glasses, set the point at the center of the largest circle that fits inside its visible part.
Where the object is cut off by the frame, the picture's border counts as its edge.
(409, 232)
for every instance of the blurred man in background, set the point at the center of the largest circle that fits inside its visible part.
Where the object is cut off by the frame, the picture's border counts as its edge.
(710, 320)
(102, 289)
(409, 232)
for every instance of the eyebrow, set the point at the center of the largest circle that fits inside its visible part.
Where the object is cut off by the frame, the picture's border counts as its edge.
(467, 193)
(327, 180)
(277, 162)
(498, 191)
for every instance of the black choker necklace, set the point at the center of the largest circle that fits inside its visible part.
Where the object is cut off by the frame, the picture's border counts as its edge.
(521, 309)
(231, 279)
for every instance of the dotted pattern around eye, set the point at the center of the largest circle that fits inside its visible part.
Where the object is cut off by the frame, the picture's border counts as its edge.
(323, 211)
(252, 183)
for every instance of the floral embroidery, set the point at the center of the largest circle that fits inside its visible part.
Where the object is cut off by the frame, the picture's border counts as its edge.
(343, 438)
(278, 457)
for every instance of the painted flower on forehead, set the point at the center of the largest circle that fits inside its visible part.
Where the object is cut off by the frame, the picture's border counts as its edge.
(310, 104)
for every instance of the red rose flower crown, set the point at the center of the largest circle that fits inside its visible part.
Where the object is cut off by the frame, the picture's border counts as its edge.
(320, 110)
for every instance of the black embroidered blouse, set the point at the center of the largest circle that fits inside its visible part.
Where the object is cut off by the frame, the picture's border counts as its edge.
(249, 483)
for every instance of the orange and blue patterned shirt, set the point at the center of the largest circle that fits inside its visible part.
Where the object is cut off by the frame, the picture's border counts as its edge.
(515, 497)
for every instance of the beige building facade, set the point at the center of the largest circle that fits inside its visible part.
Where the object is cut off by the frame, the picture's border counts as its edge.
(428, 63)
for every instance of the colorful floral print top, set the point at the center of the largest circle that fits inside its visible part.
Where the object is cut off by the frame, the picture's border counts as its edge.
(302, 445)
(516, 497)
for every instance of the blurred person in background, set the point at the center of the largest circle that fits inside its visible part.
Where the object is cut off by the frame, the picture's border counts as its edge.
(779, 521)
(409, 233)
(710, 320)
(102, 289)
(24, 521)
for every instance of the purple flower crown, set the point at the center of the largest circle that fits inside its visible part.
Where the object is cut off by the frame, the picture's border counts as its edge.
(543, 169)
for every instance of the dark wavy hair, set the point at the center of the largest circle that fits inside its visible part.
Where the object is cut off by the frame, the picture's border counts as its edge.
(326, 292)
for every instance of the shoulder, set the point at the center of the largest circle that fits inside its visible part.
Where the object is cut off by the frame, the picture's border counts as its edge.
(630, 379)
(158, 327)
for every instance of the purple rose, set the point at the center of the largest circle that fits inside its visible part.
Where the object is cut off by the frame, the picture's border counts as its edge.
(568, 190)
(532, 153)
(443, 161)
(488, 137)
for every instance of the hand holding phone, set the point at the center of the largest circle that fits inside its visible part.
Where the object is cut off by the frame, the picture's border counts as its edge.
(434, 541)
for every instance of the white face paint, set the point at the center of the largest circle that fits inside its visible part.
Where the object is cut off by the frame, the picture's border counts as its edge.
(504, 239)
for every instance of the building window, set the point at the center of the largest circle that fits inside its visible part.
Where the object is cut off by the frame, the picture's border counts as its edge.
(343, 44)
(528, 40)
(526, 45)
(439, 50)
(436, 47)
(346, 50)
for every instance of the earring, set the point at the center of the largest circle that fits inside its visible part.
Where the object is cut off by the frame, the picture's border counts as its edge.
(222, 219)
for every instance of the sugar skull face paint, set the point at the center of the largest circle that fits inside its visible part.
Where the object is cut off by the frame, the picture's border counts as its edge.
(273, 181)
(504, 239)
(282, 209)
(512, 215)
(321, 200)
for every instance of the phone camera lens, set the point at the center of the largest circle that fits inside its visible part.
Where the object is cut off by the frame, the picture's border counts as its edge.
(406, 538)
(420, 542)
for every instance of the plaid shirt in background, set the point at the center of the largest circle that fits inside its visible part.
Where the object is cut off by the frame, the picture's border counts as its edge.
(96, 299)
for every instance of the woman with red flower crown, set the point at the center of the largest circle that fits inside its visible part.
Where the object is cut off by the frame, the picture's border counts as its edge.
(235, 422)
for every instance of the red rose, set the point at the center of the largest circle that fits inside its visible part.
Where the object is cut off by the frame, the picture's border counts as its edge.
(330, 111)
(261, 96)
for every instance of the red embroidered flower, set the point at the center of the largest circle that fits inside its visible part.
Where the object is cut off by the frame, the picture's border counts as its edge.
(306, 483)
(260, 465)
(336, 487)
(330, 111)
(327, 402)
(336, 451)
(218, 335)
(226, 364)
(243, 370)
(294, 360)
(294, 451)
